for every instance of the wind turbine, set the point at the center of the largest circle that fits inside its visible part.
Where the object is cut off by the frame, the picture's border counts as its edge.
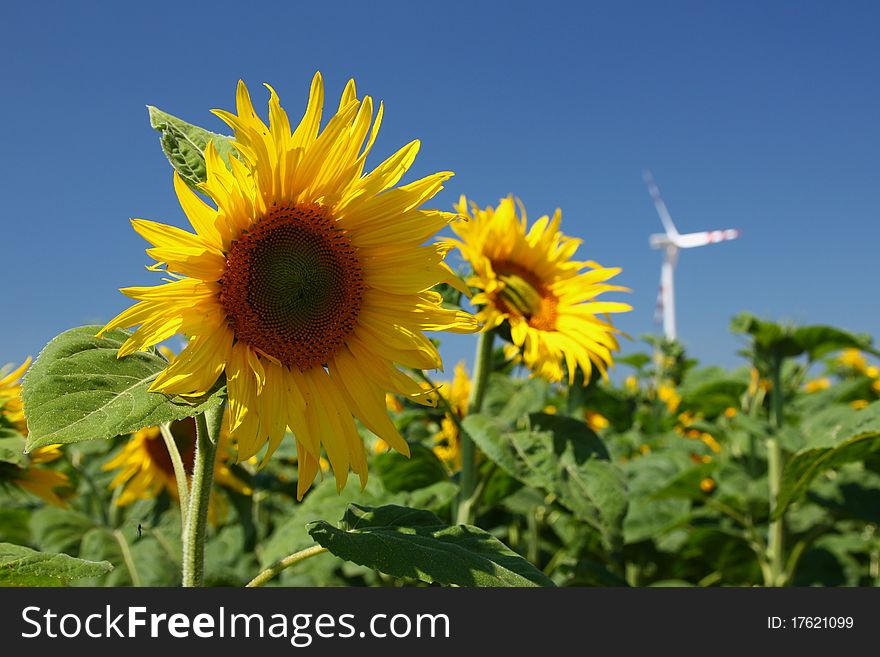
(670, 242)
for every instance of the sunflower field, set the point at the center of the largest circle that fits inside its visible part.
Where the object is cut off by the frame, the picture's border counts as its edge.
(309, 434)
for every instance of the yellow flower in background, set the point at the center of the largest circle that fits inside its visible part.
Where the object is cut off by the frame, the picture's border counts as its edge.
(448, 440)
(39, 481)
(145, 467)
(854, 359)
(667, 394)
(872, 371)
(527, 278)
(730, 412)
(815, 385)
(687, 418)
(307, 284)
(595, 421)
(631, 384)
(757, 382)
(710, 442)
(859, 404)
(707, 485)
(393, 404)
(10, 395)
(876, 386)
(43, 482)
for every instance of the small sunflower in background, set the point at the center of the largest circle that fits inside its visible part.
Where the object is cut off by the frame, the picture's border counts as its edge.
(28, 474)
(145, 469)
(447, 441)
(526, 277)
(307, 284)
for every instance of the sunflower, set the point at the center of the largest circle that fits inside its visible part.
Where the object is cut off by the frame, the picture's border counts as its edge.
(29, 476)
(11, 409)
(527, 278)
(145, 467)
(448, 440)
(307, 283)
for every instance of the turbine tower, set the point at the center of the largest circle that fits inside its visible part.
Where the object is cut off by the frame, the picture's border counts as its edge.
(670, 242)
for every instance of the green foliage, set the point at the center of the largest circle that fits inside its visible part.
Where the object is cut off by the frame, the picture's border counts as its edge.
(562, 457)
(22, 566)
(420, 470)
(12, 446)
(789, 341)
(849, 441)
(78, 389)
(673, 490)
(184, 145)
(416, 544)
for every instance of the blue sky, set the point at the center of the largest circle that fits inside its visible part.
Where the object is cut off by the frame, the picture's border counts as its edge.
(761, 116)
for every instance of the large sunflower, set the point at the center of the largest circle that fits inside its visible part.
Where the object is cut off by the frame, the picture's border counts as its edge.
(527, 277)
(306, 284)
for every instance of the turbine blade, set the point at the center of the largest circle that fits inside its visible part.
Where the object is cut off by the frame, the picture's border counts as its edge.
(654, 191)
(691, 240)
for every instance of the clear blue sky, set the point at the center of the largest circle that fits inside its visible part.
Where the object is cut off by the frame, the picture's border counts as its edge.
(761, 116)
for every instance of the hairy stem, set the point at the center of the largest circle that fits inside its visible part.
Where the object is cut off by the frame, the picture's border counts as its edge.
(284, 564)
(207, 433)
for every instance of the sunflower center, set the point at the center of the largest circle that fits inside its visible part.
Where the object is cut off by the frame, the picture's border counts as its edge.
(293, 286)
(184, 432)
(525, 295)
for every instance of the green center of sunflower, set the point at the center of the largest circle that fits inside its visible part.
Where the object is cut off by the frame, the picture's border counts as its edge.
(293, 286)
(524, 295)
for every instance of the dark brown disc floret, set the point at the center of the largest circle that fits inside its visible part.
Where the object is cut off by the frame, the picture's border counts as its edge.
(293, 286)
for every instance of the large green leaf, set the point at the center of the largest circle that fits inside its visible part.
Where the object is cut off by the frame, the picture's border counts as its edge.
(184, 145)
(79, 390)
(853, 440)
(22, 566)
(404, 542)
(562, 456)
(323, 501)
(815, 341)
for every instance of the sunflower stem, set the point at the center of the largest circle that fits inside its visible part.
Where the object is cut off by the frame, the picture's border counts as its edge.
(285, 563)
(179, 472)
(207, 434)
(776, 530)
(468, 478)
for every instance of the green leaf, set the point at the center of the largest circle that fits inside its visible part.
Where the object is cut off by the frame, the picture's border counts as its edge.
(404, 542)
(853, 441)
(11, 446)
(59, 530)
(184, 145)
(22, 566)
(564, 457)
(79, 390)
(815, 341)
(510, 399)
(322, 501)
(421, 469)
(14, 526)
